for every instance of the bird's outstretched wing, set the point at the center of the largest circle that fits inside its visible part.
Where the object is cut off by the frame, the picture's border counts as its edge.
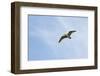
(62, 37)
(70, 32)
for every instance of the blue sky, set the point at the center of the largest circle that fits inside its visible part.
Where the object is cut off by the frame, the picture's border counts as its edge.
(45, 32)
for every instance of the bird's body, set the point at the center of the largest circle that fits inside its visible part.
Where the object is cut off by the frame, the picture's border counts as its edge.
(67, 35)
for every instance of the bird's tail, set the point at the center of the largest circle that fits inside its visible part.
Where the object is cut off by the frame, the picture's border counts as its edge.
(69, 37)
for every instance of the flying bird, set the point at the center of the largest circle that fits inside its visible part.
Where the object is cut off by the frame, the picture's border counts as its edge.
(67, 35)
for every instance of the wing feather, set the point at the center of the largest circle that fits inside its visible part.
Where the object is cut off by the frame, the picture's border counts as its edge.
(62, 37)
(70, 32)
